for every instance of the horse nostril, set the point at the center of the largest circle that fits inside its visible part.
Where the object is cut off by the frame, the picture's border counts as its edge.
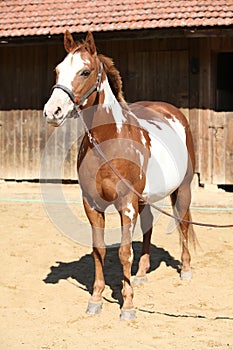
(45, 114)
(57, 112)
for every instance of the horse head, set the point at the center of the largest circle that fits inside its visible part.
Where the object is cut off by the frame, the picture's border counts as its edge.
(77, 80)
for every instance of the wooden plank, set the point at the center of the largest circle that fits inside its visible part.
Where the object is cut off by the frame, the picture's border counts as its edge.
(37, 115)
(218, 130)
(9, 145)
(18, 145)
(1, 144)
(32, 143)
(222, 147)
(45, 130)
(132, 79)
(205, 136)
(24, 144)
(229, 148)
(71, 143)
(194, 83)
(15, 120)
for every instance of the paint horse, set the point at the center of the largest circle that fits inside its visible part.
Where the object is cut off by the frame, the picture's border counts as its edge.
(145, 148)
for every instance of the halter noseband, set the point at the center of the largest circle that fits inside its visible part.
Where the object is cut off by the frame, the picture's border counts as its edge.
(72, 96)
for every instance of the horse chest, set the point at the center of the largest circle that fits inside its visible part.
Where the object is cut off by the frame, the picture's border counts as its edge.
(100, 182)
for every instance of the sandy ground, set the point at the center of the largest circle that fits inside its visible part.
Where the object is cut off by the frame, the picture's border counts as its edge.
(46, 280)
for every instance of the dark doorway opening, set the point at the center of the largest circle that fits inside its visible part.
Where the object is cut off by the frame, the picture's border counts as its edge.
(224, 83)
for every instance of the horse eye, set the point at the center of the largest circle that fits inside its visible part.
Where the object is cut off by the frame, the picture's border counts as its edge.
(85, 73)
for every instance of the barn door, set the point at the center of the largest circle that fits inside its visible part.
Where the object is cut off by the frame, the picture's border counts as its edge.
(221, 128)
(221, 125)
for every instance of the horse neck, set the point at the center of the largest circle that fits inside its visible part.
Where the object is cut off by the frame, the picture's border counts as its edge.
(108, 109)
(106, 95)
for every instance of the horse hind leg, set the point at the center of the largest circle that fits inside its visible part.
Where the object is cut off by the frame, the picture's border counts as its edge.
(181, 200)
(146, 221)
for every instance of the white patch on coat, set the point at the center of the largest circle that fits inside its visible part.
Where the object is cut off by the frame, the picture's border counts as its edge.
(143, 138)
(130, 211)
(167, 165)
(112, 105)
(131, 256)
(178, 127)
(141, 159)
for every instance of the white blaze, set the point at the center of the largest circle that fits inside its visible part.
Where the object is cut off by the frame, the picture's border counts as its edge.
(69, 67)
(67, 70)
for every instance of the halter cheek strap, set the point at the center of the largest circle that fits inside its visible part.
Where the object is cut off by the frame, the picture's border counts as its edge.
(72, 96)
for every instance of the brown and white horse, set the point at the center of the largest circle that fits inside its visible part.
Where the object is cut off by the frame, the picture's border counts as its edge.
(146, 147)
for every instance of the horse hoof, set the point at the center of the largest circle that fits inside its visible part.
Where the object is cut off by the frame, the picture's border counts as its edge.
(94, 308)
(140, 280)
(128, 315)
(186, 275)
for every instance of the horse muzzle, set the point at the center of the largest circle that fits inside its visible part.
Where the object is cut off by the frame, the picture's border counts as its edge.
(56, 118)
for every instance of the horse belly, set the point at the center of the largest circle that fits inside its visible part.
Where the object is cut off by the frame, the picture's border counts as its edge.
(167, 165)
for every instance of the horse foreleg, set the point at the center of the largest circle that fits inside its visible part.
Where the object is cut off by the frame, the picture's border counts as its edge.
(128, 219)
(146, 220)
(97, 221)
(181, 199)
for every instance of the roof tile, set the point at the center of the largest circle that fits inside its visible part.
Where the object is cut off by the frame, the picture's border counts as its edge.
(22, 18)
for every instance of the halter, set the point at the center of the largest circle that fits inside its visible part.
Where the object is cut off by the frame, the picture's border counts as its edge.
(72, 96)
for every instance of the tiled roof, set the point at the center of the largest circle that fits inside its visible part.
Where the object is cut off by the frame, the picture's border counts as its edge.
(44, 17)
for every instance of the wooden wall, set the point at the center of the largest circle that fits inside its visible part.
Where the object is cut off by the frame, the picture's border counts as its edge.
(27, 78)
(28, 75)
(31, 149)
(214, 129)
(176, 70)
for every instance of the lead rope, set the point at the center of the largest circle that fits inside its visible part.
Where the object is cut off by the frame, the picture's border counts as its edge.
(132, 189)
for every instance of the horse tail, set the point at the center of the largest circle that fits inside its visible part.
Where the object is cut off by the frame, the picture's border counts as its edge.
(192, 237)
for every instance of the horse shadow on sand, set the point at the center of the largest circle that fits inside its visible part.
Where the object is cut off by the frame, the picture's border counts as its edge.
(82, 270)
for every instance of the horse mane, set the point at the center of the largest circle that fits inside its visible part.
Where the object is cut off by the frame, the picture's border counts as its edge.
(113, 74)
(114, 78)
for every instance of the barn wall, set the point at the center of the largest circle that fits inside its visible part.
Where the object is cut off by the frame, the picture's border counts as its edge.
(28, 76)
(28, 145)
(175, 70)
(152, 69)
(215, 148)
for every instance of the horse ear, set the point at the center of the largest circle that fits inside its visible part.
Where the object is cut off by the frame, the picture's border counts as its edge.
(90, 43)
(69, 42)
